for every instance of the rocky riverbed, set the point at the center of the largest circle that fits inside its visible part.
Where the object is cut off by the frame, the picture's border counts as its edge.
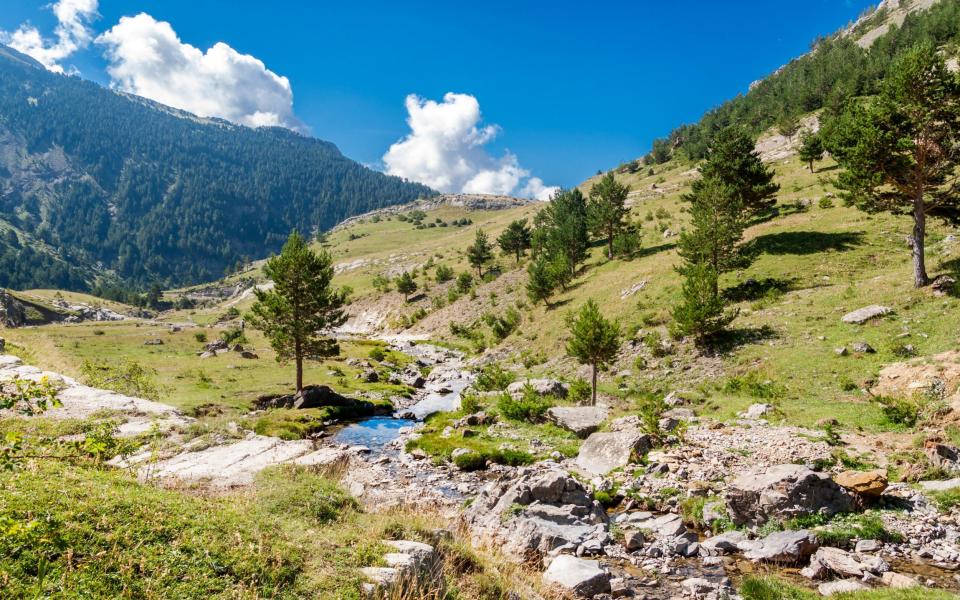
(686, 519)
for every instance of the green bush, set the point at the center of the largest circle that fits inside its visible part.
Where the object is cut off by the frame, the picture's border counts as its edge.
(444, 273)
(200, 337)
(494, 378)
(899, 412)
(470, 403)
(530, 407)
(755, 385)
(580, 391)
(377, 354)
(825, 202)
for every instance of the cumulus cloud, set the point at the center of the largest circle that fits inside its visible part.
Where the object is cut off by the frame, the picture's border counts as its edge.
(147, 58)
(71, 34)
(445, 150)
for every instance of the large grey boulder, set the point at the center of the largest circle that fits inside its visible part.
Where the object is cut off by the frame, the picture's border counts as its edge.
(782, 492)
(603, 452)
(723, 543)
(862, 315)
(581, 420)
(844, 564)
(543, 387)
(781, 547)
(584, 578)
(841, 586)
(528, 517)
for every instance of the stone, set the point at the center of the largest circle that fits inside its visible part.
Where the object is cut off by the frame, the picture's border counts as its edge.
(840, 587)
(758, 411)
(249, 355)
(697, 587)
(723, 543)
(846, 564)
(581, 420)
(863, 348)
(153, 342)
(842, 351)
(633, 540)
(866, 484)
(781, 547)
(783, 492)
(668, 424)
(898, 580)
(584, 578)
(942, 456)
(207, 354)
(667, 525)
(940, 485)
(370, 376)
(603, 452)
(867, 546)
(542, 387)
(862, 315)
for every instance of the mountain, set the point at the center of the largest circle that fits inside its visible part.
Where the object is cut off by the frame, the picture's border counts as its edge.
(849, 63)
(99, 186)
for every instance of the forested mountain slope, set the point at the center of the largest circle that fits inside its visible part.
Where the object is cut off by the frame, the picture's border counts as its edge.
(100, 182)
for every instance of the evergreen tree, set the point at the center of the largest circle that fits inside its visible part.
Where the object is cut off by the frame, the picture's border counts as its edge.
(595, 341)
(607, 210)
(701, 311)
(406, 285)
(900, 152)
(154, 296)
(811, 148)
(717, 224)
(301, 305)
(561, 228)
(515, 239)
(734, 162)
(480, 253)
(540, 281)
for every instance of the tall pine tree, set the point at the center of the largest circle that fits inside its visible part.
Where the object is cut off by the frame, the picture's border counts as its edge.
(301, 305)
(734, 162)
(607, 210)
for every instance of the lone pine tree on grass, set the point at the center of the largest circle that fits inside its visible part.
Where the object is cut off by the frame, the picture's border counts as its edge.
(480, 253)
(595, 341)
(406, 285)
(515, 239)
(701, 311)
(540, 280)
(900, 153)
(607, 210)
(301, 305)
(811, 148)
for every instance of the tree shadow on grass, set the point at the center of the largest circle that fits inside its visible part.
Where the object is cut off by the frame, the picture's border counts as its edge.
(730, 339)
(805, 242)
(654, 250)
(754, 289)
(559, 304)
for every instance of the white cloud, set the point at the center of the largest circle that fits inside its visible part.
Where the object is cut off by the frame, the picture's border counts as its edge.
(536, 189)
(147, 58)
(445, 150)
(72, 33)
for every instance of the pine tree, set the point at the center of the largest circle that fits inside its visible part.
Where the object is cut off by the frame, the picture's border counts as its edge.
(300, 306)
(734, 162)
(900, 153)
(607, 210)
(561, 228)
(595, 341)
(701, 311)
(811, 148)
(515, 239)
(406, 285)
(717, 224)
(480, 253)
(540, 281)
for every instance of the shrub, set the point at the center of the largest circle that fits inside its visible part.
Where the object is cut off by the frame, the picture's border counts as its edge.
(502, 326)
(493, 377)
(464, 282)
(530, 407)
(470, 403)
(899, 412)
(444, 273)
(233, 335)
(125, 377)
(377, 354)
(200, 336)
(580, 391)
(755, 385)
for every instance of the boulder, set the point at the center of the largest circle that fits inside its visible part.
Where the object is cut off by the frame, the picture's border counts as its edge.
(668, 525)
(863, 348)
(312, 396)
(782, 492)
(583, 578)
(581, 420)
(943, 456)
(841, 586)
(633, 540)
(153, 342)
(898, 580)
(723, 543)
(862, 315)
(538, 512)
(758, 411)
(788, 547)
(603, 452)
(940, 485)
(543, 387)
(844, 564)
(866, 484)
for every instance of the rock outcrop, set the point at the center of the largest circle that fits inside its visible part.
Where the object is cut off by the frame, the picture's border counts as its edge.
(605, 451)
(581, 420)
(783, 492)
(582, 578)
(862, 315)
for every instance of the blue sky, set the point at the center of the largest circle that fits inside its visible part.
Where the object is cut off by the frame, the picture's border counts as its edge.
(573, 86)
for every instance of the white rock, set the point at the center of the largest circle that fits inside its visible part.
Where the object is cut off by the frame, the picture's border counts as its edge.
(584, 578)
